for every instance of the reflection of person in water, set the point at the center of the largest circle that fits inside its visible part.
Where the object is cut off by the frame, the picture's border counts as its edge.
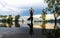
(31, 28)
(31, 14)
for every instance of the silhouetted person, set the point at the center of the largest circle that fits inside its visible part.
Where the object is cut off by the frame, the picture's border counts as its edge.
(31, 18)
(31, 14)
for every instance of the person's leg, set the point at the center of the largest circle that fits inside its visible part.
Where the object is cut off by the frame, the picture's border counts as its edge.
(30, 17)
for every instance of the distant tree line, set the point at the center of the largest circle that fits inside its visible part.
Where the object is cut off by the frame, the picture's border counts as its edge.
(9, 19)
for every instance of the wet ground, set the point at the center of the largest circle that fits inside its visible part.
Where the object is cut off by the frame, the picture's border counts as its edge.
(22, 33)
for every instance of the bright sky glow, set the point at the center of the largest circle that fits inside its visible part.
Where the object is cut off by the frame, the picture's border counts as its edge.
(15, 7)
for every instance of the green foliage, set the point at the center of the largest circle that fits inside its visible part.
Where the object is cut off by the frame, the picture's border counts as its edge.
(43, 14)
(17, 17)
(53, 6)
(9, 20)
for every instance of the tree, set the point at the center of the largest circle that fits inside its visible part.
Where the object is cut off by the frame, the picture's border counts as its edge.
(43, 14)
(17, 17)
(9, 20)
(16, 21)
(54, 7)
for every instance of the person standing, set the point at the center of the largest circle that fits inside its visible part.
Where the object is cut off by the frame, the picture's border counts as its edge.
(31, 14)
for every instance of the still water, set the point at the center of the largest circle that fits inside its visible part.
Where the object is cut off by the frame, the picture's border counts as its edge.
(30, 30)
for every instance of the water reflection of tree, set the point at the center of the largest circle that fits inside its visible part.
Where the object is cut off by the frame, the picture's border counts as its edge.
(3, 25)
(9, 20)
(47, 32)
(54, 7)
(10, 24)
(17, 24)
(43, 27)
(17, 21)
(51, 33)
(56, 31)
(6, 25)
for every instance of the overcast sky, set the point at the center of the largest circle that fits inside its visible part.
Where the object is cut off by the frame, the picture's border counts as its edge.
(15, 7)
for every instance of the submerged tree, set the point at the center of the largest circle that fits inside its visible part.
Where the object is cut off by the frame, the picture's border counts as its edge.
(17, 17)
(43, 14)
(17, 21)
(9, 20)
(54, 7)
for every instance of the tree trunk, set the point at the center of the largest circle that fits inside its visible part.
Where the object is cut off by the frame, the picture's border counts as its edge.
(55, 21)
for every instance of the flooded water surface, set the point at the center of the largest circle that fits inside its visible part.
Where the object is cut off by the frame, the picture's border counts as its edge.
(30, 30)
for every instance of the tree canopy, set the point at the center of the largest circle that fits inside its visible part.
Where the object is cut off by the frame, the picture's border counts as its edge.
(53, 6)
